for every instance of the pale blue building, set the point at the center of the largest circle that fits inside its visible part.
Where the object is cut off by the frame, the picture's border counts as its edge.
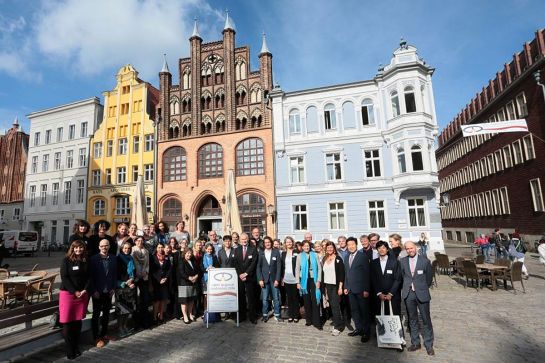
(359, 157)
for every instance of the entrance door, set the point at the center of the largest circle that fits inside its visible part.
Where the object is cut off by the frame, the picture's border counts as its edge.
(206, 225)
(209, 217)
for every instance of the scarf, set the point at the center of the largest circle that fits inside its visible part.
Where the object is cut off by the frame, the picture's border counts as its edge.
(304, 273)
(127, 259)
(160, 257)
(207, 260)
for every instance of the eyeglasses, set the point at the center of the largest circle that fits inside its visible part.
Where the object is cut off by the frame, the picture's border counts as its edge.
(104, 246)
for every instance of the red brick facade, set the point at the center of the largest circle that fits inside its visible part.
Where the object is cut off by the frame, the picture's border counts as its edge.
(13, 159)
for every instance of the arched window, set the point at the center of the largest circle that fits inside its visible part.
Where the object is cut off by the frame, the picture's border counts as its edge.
(99, 207)
(186, 130)
(330, 121)
(416, 157)
(218, 74)
(240, 96)
(312, 119)
(255, 94)
(367, 112)
(250, 157)
(240, 123)
(256, 121)
(294, 122)
(240, 70)
(252, 211)
(410, 103)
(402, 165)
(172, 211)
(186, 104)
(186, 79)
(206, 76)
(210, 161)
(349, 116)
(174, 164)
(395, 104)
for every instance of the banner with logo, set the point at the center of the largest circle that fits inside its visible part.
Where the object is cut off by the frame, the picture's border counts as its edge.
(495, 127)
(222, 290)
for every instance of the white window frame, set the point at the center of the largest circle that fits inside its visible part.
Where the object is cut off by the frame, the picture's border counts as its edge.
(507, 156)
(529, 151)
(45, 162)
(332, 118)
(71, 132)
(373, 159)
(298, 169)
(69, 159)
(336, 211)
(377, 210)
(504, 195)
(43, 195)
(47, 137)
(294, 119)
(122, 146)
(57, 161)
(149, 172)
(16, 214)
(55, 193)
(522, 106)
(59, 134)
(136, 144)
(517, 158)
(122, 205)
(34, 164)
(341, 166)
(299, 215)
(537, 195)
(109, 147)
(83, 129)
(499, 160)
(424, 206)
(82, 159)
(97, 177)
(80, 191)
(67, 192)
(149, 142)
(99, 210)
(97, 150)
(121, 175)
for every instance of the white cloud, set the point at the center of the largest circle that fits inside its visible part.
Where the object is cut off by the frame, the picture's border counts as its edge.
(93, 36)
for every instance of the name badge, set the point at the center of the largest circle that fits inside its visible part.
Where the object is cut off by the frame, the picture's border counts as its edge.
(389, 272)
(295, 254)
(75, 268)
(274, 258)
(249, 257)
(420, 272)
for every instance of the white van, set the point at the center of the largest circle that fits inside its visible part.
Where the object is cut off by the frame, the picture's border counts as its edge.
(20, 241)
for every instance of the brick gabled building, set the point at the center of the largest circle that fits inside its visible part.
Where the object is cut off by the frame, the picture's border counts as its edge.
(13, 159)
(496, 180)
(218, 117)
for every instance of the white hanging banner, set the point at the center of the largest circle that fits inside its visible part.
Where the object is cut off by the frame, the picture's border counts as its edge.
(495, 127)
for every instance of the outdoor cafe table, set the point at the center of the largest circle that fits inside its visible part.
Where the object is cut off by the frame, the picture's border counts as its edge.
(492, 269)
(20, 279)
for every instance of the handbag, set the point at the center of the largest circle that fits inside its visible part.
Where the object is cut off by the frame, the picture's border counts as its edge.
(54, 322)
(389, 329)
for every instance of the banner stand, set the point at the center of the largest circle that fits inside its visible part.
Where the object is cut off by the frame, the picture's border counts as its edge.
(222, 292)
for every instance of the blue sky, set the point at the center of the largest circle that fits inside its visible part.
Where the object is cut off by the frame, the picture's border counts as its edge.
(55, 52)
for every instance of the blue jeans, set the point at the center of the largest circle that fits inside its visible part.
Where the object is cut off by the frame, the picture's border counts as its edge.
(265, 291)
(424, 250)
(486, 252)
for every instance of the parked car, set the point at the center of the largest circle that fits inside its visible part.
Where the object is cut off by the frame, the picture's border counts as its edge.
(25, 242)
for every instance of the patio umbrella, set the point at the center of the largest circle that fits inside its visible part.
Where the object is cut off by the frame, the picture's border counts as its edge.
(231, 216)
(139, 213)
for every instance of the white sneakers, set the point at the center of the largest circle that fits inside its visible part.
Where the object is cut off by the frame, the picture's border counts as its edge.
(335, 332)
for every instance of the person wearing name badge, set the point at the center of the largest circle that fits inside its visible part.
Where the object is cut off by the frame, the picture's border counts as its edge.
(308, 272)
(209, 261)
(333, 281)
(289, 263)
(386, 279)
(417, 277)
(245, 263)
(269, 273)
(226, 259)
(188, 275)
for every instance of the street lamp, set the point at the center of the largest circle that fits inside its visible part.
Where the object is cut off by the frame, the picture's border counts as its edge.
(537, 77)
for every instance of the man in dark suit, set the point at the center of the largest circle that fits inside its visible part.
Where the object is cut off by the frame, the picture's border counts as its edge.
(245, 262)
(269, 274)
(386, 280)
(226, 256)
(357, 284)
(417, 278)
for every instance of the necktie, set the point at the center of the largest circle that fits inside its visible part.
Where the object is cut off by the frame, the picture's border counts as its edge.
(411, 259)
(350, 260)
(244, 253)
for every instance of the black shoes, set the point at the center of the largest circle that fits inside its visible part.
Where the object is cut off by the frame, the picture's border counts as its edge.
(430, 351)
(354, 333)
(413, 348)
(365, 338)
(308, 324)
(253, 321)
(265, 319)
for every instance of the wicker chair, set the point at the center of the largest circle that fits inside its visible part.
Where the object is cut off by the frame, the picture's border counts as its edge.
(41, 273)
(472, 273)
(4, 274)
(459, 263)
(515, 274)
(43, 286)
(443, 264)
(479, 259)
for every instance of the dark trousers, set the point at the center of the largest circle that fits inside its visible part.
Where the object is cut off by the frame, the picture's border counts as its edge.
(143, 318)
(360, 312)
(292, 297)
(246, 299)
(71, 332)
(312, 306)
(335, 305)
(345, 309)
(102, 304)
(413, 305)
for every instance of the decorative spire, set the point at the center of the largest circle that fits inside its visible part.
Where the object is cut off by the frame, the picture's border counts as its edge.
(228, 22)
(195, 30)
(165, 65)
(264, 48)
(16, 122)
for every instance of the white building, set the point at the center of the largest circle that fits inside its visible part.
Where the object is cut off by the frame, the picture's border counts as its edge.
(359, 157)
(55, 185)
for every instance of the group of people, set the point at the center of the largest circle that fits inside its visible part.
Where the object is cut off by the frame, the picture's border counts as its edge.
(154, 267)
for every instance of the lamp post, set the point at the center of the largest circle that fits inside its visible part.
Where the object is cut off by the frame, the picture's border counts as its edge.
(271, 210)
(537, 77)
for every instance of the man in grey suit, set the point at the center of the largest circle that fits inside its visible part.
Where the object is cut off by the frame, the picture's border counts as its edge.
(269, 275)
(417, 278)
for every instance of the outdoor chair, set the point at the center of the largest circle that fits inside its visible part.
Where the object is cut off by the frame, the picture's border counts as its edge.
(472, 273)
(35, 267)
(479, 259)
(443, 264)
(41, 273)
(459, 263)
(434, 271)
(43, 286)
(515, 274)
(4, 274)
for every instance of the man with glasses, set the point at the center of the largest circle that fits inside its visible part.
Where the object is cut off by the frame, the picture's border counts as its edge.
(103, 276)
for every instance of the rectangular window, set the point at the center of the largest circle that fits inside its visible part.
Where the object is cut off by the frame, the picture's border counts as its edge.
(32, 195)
(505, 201)
(529, 152)
(47, 137)
(55, 194)
(377, 214)
(367, 115)
(83, 157)
(522, 108)
(489, 204)
(497, 201)
(97, 150)
(81, 191)
(121, 175)
(57, 160)
(70, 158)
(34, 165)
(122, 206)
(458, 236)
(449, 235)
(297, 169)
(122, 146)
(43, 194)
(109, 147)
(67, 192)
(300, 217)
(108, 177)
(134, 173)
(45, 162)
(537, 196)
(136, 144)
(500, 115)
(491, 164)
(499, 160)
(508, 160)
(333, 166)
(99, 207)
(125, 89)
(417, 212)
(16, 214)
(124, 108)
(83, 130)
(484, 167)
(71, 132)
(148, 172)
(96, 178)
(2, 215)
(148, 204)
(518, 157)
(336, 216)
(511, 113)
(330, 119)
(294, 123)
(372, 163)
(36, 139)
(59, 134)
(53, 231)
(148, 140)
(470, 237)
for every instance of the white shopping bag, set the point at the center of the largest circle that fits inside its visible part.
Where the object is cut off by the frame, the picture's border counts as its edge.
(389, 329)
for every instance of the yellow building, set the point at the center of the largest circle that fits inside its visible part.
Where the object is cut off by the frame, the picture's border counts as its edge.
(121, 149)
